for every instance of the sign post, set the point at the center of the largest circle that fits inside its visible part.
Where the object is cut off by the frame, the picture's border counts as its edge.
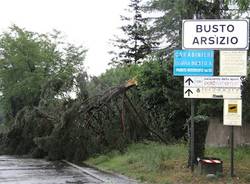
(192, 135)
(232, 152)
(214, 35)
(232, 117)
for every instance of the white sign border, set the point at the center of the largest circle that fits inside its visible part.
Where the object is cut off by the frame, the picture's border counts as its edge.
(213, 92)
(214, 48)
(226, 113)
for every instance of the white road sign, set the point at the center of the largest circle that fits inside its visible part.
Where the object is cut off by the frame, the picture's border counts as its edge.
(212, 87)
(232, 112)
(233, 63)
(215, 34)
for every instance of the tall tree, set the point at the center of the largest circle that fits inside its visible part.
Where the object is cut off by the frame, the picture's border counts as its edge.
(138, 41)
(32, 65)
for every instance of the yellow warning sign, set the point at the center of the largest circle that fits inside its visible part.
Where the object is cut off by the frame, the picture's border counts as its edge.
(232, 108)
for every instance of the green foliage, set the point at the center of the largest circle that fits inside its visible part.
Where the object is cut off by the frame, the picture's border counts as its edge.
(30, 62)
(2, 119)
(242, 4)
(246, 99)
(200, 126)
(209, 107)
(29, 124)
(158, 97)
(36, 72)
(162, 99)
(118, 75)
(144, 161)
(149, 154)
(112, 77)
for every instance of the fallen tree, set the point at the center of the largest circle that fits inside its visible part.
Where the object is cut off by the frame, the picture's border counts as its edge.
(75, 129)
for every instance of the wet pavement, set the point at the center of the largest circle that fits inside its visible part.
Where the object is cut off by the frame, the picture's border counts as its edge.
(16, 170)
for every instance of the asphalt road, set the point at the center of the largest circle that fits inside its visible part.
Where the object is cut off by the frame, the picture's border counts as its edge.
(16, 170)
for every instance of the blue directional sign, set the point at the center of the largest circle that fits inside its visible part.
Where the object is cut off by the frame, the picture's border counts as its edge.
(193, 62)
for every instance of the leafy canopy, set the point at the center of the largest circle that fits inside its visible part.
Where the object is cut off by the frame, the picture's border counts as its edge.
(32, 65)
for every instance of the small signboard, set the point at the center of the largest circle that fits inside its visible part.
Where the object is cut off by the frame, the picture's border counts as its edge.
(215, 34)
(232, 108)
(193, 62)
(233, 63)
(212, 87)
(232, 112)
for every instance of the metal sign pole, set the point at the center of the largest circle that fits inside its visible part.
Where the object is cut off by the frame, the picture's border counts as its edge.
(192, 135)
(232, 151)
(192, 124)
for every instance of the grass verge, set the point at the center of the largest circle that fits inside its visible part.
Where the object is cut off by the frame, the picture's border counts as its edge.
(157, 163)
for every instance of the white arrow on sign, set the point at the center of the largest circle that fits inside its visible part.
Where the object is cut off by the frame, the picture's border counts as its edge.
(212, 87)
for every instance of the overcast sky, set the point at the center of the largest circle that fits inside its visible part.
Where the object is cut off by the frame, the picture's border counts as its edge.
(90, 23)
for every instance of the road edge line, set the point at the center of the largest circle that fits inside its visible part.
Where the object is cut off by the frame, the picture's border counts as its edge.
(83, 170)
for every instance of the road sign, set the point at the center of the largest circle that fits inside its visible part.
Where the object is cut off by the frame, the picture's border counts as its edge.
(215, 34)
(212, 87)
(193, 62)
(232, 112)
(233, 63)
